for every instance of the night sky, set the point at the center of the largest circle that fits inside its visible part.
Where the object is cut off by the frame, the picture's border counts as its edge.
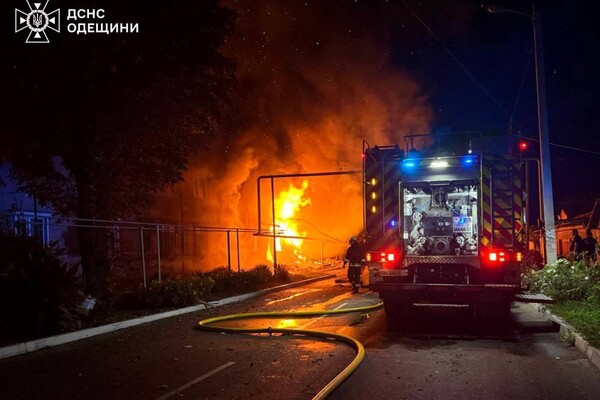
(496, 49)
(376, 49)
(474, 69)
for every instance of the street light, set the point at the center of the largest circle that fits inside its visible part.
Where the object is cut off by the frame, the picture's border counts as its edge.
(548, 211)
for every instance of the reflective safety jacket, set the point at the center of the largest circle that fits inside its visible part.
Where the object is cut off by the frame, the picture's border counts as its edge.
(355, 255)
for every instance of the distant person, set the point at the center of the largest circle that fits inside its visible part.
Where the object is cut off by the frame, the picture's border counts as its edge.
(355, 257)
(588, 246)
(575, 244)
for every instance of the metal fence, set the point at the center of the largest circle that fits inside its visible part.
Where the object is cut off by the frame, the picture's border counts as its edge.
(140, 252)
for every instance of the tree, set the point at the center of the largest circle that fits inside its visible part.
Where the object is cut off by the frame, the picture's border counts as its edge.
(98, 124)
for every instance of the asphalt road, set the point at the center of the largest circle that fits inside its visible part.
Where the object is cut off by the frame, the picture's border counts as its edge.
(440, 356)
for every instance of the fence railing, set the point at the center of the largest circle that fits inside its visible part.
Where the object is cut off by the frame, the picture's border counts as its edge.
(140, 251)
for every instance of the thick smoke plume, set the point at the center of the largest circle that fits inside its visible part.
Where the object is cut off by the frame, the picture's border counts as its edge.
(315, 80)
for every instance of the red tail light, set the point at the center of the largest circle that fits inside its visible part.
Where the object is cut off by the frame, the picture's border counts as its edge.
(381, 257)
(495, 257)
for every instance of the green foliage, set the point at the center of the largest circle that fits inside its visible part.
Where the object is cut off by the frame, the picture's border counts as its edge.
(576, 288)
(281, 274)
(182, 292)
(109, 124)
(583, 316)
(109, 140)
(178, 292)
(263, 274)
(532, 259)
(564, 280)
(37, 290)
(228, 282)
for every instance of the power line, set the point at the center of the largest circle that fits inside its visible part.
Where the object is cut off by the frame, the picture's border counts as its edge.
(464, 68)
(565, 146)
(518, 98)
(576, 149)
(470, 75)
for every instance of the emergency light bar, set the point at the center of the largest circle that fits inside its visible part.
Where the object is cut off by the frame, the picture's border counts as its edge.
(439, 164)
(412, 163)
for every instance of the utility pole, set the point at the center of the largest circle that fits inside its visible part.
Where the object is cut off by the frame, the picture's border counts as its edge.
(544, 138)
(548, 212)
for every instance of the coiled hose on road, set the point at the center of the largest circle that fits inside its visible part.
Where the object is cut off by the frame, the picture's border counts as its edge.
(335, 382)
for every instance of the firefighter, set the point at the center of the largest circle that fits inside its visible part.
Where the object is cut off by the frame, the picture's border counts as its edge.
(575, 245)
(588, 247)
(355, 258)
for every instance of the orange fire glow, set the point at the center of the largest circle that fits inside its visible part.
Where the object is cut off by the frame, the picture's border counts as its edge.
(306, 105)
(287, 205)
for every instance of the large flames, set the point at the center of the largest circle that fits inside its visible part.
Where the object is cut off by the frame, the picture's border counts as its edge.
(287, 205)
(306, 103)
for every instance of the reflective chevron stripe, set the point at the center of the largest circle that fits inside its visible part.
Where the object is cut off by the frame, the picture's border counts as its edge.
(382, 203)
(502, 201)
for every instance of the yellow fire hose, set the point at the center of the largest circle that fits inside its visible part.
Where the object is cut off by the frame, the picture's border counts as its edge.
(335, 382)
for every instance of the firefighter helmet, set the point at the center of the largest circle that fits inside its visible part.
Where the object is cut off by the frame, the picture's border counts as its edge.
(353, 239)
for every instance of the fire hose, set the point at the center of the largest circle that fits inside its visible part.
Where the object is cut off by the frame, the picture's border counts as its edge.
(335, 382)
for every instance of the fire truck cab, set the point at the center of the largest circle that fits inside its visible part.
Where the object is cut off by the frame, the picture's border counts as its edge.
(443, 230)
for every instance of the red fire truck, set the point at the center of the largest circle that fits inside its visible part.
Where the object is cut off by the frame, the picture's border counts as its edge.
(444, 230)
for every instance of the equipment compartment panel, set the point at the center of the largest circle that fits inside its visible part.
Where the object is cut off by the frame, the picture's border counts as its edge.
(440, 219)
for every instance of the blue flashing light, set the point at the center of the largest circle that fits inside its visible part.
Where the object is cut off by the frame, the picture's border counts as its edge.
(409, 164)
(393, 223)
(468, 161)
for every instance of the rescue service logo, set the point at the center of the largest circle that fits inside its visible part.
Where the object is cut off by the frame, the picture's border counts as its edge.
(79, 21)
(37, 20)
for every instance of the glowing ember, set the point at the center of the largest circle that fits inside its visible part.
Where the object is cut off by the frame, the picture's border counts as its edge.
(287, 205)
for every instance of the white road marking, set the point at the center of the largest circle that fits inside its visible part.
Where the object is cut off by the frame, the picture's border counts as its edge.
(312, 321)
(293, 296)
(364, 294)
(195, 381)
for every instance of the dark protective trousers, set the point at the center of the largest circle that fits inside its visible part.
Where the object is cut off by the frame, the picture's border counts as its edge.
(354, 273)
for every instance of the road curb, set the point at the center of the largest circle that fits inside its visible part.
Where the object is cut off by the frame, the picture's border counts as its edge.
(34, 345)
(567, 331)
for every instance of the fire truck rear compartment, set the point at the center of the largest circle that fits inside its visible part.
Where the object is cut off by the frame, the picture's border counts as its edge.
(402, 299)
(440, 273)
(453, 222)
